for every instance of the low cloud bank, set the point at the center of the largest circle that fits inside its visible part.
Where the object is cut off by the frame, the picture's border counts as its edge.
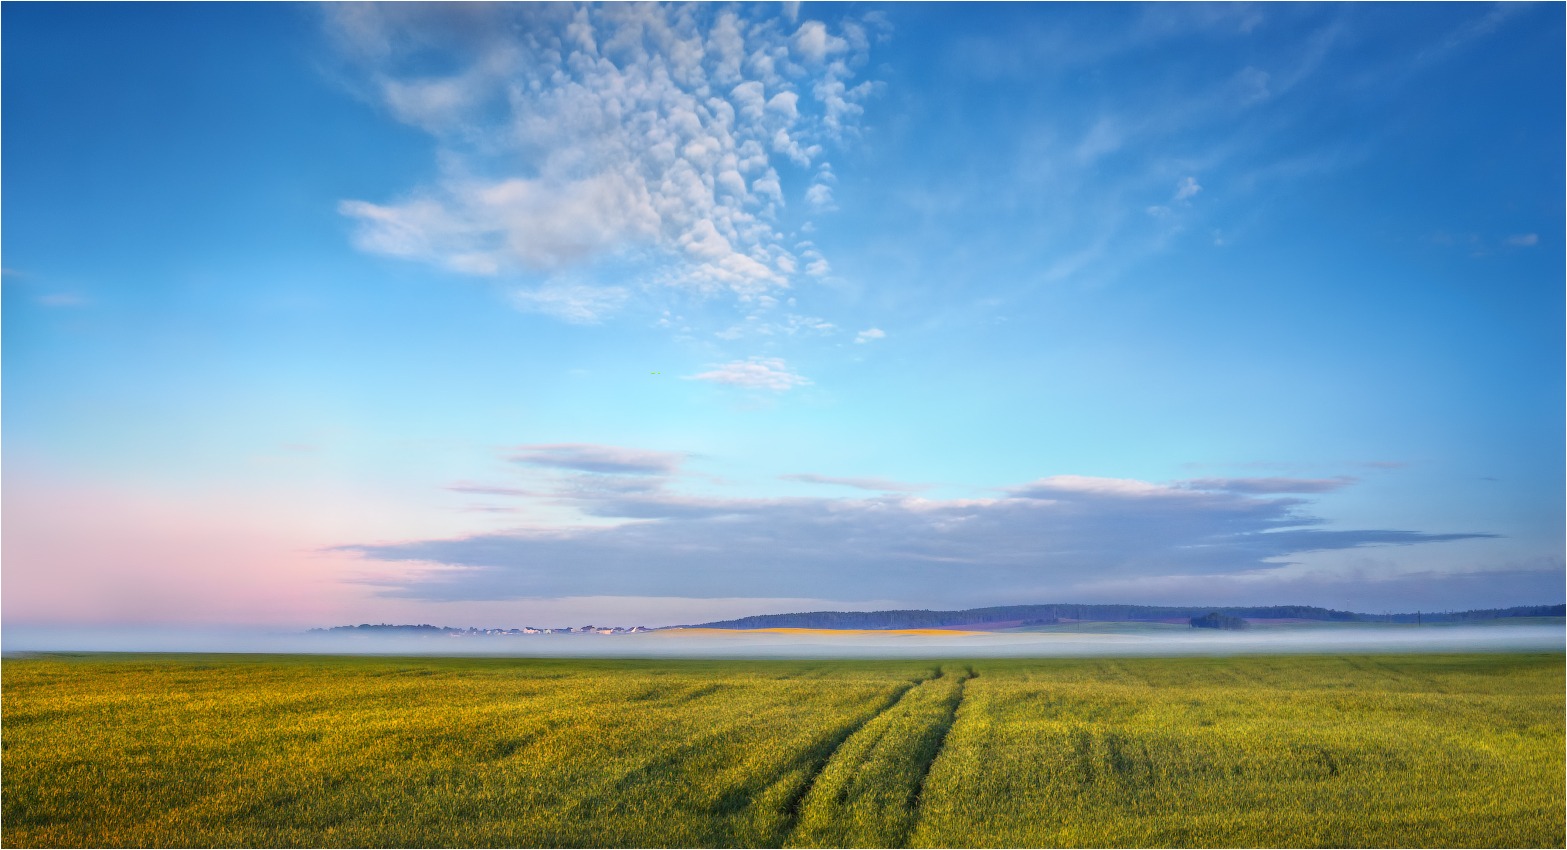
(1031, 542)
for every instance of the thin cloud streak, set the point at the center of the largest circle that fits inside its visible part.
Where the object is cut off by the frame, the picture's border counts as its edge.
(587, 457)
(874, 484)
(1262, 486)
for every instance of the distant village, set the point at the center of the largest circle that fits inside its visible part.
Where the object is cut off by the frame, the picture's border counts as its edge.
(426, 629)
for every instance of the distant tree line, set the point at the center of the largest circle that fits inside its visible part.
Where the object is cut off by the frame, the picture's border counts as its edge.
(1066, 613)
(1215, 620)
(1470, 616)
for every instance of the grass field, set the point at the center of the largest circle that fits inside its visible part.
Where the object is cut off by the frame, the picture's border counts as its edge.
(1358, 750)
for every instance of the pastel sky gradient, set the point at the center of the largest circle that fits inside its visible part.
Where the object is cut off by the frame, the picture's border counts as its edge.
(547, 314)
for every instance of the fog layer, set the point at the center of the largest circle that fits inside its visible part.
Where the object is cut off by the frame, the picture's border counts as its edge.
(704, 643)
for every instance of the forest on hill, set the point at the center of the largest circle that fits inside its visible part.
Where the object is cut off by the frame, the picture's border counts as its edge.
(1026, 615)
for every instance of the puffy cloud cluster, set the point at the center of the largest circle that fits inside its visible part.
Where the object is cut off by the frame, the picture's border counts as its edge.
(759, 373)
(572, 134)
(1029, 542)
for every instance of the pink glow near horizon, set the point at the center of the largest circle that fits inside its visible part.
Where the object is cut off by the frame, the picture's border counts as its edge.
(95, 555)
(84, 555)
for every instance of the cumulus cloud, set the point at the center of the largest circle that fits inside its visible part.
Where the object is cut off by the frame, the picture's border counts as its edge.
(815, 43)
(819, 196)
(764, 373)
(1034, 540)
(574, 135)
(869, 334)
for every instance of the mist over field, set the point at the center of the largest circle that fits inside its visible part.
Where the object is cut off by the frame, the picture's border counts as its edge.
(714, 643)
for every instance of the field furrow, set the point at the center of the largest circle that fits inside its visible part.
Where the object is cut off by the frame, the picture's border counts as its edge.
(819, 760)
(867, 794)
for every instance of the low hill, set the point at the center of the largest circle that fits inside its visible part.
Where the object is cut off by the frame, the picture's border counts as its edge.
(1026, 615)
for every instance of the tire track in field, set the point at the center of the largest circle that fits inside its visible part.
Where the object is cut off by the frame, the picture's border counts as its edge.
(797, 800)
(947, 723)
(867, 793)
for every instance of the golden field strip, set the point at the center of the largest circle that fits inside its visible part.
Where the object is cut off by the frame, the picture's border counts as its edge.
(1353, 750)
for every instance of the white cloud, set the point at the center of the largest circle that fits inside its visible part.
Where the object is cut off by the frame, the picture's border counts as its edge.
(815, 43)
(570, 136)
(1184, 192)
(1065, 486)
(819, 196)
(869, 334)
(576, 303)
(815, 264)
(764, 373)
(482, 228)
(1524, 240)
(785, 103)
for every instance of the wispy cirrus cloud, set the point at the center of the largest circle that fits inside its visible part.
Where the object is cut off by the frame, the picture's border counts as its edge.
(1038, 538)
(883, 485)
(491, 490)
(576, 303)
(63, 299)
(570, 135)
(756, 373)
(1159, 160)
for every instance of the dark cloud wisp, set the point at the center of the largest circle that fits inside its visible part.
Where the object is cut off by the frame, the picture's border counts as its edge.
(1262, 486)
(608, 460)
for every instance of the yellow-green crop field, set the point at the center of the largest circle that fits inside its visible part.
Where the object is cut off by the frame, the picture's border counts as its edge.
(1354, 750)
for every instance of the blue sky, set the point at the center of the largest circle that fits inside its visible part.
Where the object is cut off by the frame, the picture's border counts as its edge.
(512, 314)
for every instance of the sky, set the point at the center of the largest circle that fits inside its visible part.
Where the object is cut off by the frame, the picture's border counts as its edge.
(509, 315)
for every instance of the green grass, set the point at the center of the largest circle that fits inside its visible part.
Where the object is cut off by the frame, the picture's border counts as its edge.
(1403, 750)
